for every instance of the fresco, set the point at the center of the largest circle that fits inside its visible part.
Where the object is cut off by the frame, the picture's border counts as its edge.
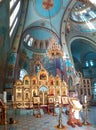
(11, 61)
(45, 5)
(3, 23)
(1, 40)
(2, 74)
(4, 47)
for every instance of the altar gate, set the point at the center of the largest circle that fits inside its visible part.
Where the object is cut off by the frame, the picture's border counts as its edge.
(40, 85)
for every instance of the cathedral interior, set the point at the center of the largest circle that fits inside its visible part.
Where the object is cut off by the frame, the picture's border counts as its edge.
(47, 64)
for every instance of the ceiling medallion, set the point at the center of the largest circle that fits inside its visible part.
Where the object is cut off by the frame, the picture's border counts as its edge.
(47, 4)
(54, 51)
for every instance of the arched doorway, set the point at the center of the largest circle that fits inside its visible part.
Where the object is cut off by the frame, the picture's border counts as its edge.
(43, 92)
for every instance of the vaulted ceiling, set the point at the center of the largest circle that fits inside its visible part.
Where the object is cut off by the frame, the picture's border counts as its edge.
(60, 18)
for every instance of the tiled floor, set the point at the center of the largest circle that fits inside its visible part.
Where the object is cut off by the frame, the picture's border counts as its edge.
(48, 122)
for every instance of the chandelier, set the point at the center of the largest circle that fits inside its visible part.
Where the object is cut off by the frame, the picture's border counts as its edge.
(54, 51)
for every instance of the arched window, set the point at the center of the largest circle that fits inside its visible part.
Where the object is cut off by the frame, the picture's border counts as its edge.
(26, 38)
(94, 90)
(86, 64)
(90, 60)
(23, 72)
(83, 13)
(95, 87)
(30, 42)
(15, 7)
(89, 63)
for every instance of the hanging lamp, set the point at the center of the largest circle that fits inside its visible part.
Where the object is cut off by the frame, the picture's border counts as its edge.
(54, 50)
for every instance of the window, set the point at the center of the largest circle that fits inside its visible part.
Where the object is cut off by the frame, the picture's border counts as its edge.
(13, 26)
(83, 13)
(23, 72)
(91, 63)
(87, 64)
(89, 60)
(93, 15)
(28, 40)
(12, 3)
(14, 15)
(94, 91)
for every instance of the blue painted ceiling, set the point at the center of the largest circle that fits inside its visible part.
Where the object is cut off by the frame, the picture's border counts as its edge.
(51, 12)
(40, 22)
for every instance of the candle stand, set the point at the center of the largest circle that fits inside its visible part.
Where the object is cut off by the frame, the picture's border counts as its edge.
(54, 113)
(85, 114)
(85, 110)
(39, 113)
(60, 125)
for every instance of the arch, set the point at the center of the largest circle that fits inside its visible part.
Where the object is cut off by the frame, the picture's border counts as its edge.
(64, 21)
(90, 55)
(43, 88)
(86, 40)
(27, 95)
(82, 38)
(43, 93)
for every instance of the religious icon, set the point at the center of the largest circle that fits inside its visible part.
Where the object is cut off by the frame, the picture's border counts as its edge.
(36, 100)
(42, 76)
(34, 93)
(57, 82)
(34, 81)
(51, 92)
(26, 96)
(26, 82)
(50, 99)
(65, 100)
(18, 95)
(51, 83)
(48, 4)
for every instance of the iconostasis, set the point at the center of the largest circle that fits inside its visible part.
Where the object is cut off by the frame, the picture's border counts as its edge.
(40, 85)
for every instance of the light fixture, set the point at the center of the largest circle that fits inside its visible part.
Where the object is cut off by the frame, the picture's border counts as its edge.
(54, 50)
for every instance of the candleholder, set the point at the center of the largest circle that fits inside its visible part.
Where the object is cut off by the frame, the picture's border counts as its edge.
(85, 114)
(54, 113)
(39, 113)
(85, 105)
(60, 125)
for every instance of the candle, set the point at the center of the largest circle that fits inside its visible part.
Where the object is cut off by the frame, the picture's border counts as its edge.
(43, 97)
(54, 99)
(12, 98)
(59, 99)
(5, 97)
(85, 99)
